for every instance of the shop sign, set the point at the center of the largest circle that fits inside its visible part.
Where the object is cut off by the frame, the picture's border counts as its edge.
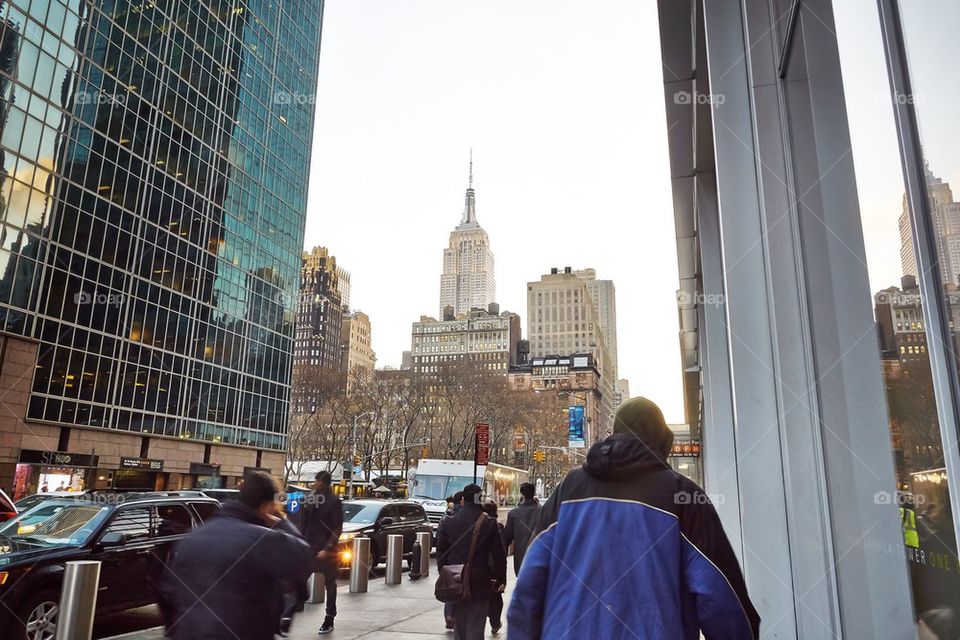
(481, 450)
(689, 449)
(202, 469)
(141, 463)
(57, 458)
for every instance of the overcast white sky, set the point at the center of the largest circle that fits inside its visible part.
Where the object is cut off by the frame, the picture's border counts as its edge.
(563, 104)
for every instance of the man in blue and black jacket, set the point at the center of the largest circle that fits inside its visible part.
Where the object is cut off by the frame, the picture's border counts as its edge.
(628, 548)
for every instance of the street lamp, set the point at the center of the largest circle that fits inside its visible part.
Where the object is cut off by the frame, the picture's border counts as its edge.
(353, 455)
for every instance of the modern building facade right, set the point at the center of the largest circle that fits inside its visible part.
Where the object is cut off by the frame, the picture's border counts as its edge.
(818, 319)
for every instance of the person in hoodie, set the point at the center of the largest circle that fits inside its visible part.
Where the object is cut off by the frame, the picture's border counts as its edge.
(628, 548)
(226, 579)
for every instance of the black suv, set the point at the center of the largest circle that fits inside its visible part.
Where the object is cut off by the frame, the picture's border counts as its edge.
(376, 519)
(129, 533)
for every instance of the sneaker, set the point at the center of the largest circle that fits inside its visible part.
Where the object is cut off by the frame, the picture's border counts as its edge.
(284, 629)
(327, 626)
(496, 630)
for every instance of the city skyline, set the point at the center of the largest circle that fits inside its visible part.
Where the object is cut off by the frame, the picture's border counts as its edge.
(393, 136)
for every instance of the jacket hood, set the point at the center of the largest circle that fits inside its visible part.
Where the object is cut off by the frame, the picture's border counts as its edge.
(622, 455)
(643, 419)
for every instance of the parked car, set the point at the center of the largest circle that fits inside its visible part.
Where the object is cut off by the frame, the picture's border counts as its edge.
(28, 502)
(131, 538)
(436, 510)
(376, 519)
(223, 495)
(109, 496)
(7, 509)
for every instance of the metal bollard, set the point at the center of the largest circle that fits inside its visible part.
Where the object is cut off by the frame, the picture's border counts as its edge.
(425, 538)
(316, 591)
(78, 600)
(360, 565)
(394, 558)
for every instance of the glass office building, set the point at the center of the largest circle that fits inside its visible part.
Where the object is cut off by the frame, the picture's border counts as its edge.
(153, 185)
(812, 149)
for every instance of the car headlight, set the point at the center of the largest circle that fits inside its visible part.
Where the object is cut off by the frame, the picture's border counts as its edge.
(344, 537)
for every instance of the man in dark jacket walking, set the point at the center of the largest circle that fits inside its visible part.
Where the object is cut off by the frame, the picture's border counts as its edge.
(627, 548)
(521, 522)
(322, 525)
(487, 566)
(453, 507)
(226, 578)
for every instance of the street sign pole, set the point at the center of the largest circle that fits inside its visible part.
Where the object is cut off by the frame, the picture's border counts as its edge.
(476, 451)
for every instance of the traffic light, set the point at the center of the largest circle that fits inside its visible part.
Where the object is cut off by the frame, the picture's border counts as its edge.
(356, 461)
(539, 456)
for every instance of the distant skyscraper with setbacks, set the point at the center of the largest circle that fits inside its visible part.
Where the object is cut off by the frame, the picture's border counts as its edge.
(468, 279)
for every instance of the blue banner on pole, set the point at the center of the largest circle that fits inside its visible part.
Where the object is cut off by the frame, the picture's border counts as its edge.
(575, 437)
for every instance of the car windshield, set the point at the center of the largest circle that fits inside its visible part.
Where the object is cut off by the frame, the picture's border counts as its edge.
(439, 487)
(56, 523)
(29, 502)
(360, 513)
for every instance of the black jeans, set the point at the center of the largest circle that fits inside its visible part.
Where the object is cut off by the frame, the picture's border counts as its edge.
(496, 610)
(471, 619)
(330, 584)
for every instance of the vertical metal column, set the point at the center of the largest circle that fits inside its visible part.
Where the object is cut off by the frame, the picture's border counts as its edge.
(394, 558)
(315, 588)
(78, 600)
(425, 538)
(360, 565)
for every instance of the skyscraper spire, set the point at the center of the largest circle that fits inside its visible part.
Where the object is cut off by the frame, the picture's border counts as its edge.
(467, 281)
(470, 208)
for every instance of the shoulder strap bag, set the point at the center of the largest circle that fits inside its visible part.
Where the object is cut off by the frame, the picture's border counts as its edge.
(453, 583)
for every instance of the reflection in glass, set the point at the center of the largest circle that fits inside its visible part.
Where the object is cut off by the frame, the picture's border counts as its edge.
(928, 525)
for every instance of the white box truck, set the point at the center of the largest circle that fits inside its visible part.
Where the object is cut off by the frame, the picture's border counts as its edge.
(435, 480)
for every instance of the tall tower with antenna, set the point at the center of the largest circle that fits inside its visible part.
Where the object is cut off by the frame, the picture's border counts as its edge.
(468, 280)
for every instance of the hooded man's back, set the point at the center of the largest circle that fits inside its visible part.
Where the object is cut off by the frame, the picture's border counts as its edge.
(630, 549)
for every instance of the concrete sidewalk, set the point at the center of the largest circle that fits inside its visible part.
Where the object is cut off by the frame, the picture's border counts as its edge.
(407, 611)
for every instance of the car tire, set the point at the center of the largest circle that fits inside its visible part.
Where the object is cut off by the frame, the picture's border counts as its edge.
(37, 616)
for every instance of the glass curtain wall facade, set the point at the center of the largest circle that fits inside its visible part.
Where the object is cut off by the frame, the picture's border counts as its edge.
(820, 301)
(153, 189)
(919, 41)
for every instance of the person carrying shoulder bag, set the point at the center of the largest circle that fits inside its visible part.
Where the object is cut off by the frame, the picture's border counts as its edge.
(469, 546)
